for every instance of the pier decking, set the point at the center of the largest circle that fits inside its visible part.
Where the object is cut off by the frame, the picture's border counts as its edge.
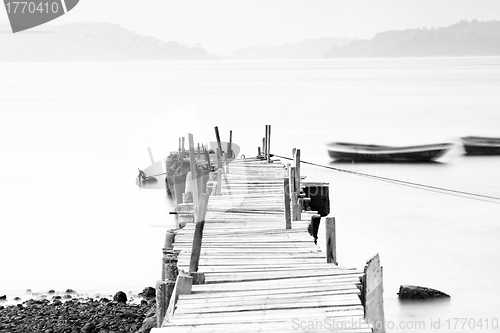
(255, 275)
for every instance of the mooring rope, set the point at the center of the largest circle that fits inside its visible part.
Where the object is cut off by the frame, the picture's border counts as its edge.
(438, 189)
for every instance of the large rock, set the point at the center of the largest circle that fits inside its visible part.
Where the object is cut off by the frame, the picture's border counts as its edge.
(120, 297)
(148, 292)
(417, 292)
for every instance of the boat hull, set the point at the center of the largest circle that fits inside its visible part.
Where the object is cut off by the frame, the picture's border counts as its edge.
(374, 153)
(481, 145)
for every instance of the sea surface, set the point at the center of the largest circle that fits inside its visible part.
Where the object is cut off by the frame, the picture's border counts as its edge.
(72, 136)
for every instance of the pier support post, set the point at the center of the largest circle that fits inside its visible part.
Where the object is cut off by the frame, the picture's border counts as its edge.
(165, 286)
(169, 240)
(183, 150)
(200, 214)
(179, 187)
(296, 164)
(207, 157)
(268, 141)
(217, 136)
(218, 190)
(164, 291)
(183, 286)
(169, 269)
(296, 214)
(264, 145)
(331, 241)
(372, 294)
(288, 218)
(230, 145)
(194, 171)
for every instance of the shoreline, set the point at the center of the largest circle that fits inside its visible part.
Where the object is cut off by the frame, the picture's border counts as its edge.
(55, 312)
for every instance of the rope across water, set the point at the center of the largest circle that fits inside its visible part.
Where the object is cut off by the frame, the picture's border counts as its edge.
(438, 189)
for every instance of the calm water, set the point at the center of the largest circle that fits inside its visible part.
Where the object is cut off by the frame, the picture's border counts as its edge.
(73, 135)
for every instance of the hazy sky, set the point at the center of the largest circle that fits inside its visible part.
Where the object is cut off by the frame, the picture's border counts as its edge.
(221, 26)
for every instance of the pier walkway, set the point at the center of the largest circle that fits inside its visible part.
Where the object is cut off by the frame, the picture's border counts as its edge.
(258, 275)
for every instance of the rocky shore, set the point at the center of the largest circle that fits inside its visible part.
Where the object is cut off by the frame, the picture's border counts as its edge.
(71, 313)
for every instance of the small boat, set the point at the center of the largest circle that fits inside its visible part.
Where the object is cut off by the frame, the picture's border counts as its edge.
(375, 153)
(477, 145)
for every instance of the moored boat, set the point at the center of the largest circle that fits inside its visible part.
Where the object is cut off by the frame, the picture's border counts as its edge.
(477, 145)
(375, 153)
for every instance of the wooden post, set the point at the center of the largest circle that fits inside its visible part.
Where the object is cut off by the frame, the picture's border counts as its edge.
(264, 148)
(296, 162)
(372, 294)
(183, 150)
(218, 190)
(331, 241)
(294, 197)
(169, 269)
(164, 291)
(226, 164)
(219, 158)
(268, 143)
(218, 138)
(180, 146)
(230, 145)
(288, 218)
(258, 151)
(169, 240)
(183, 286)
(207, 157)
(194, 172)
(200, 214)
(198, 156)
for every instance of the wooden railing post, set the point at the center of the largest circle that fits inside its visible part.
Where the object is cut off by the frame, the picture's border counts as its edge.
(183, 286)
(183, 150)
(217, 136)
(165, 286)
(207, 157)
(331, 241)
(194, 172)
(230, 145)
(164, 291)
(288, 219)
(268, 143)
(264, 148)
(293, 195)
(296, 164)
(169, 240)
(200, 214)
(372, 294)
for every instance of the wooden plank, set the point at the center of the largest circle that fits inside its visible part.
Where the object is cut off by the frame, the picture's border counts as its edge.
(309, 290)
(250, 316)
(264, 300)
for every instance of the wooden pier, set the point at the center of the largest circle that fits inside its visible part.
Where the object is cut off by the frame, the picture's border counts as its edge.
(248, 264)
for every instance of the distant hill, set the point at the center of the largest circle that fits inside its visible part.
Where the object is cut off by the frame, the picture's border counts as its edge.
(461, 39)
(91, 42)
(307, 49)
